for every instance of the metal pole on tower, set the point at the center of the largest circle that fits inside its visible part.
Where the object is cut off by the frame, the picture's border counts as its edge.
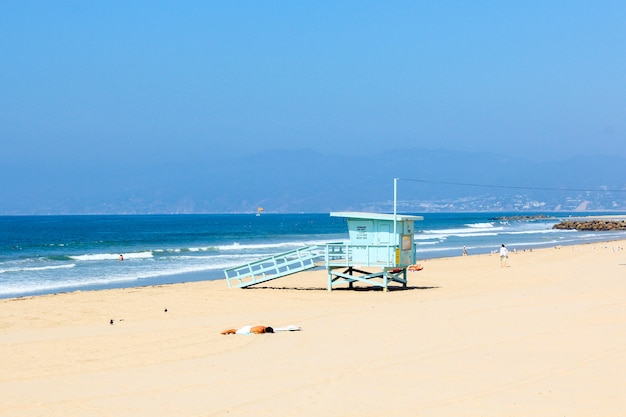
(395, 209)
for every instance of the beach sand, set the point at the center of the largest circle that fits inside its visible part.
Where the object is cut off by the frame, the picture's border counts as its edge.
(544, 336)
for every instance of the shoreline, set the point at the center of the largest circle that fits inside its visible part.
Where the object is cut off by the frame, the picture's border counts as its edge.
(180, 278)
(200, 276)
(466, 337)
(60, 270)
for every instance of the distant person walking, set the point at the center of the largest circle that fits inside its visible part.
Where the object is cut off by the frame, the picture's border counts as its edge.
(504, 255)
(464, 251)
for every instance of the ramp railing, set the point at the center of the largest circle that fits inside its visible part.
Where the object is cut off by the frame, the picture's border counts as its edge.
(275, 266)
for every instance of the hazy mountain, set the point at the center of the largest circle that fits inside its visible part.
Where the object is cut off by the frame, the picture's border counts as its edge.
(310, 181)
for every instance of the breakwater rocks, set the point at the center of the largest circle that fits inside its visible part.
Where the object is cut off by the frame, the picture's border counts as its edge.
(523, 218)
(594, 225)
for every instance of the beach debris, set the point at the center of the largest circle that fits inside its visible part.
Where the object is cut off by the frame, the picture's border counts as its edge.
(165, 310)
(415, 268)
(111, 322)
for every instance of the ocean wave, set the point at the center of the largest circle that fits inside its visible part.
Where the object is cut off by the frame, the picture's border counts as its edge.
(201, 249)
(544, 243)
(426, 250)
(537, 232)
(36, 268)
(430, 242)
(443, 236)
(462, 231)
(59, 258)
(190, 249)
(111, 256)
(420, 236)
(483, 229)
(480, 225)
(249, 257)
(259, 246)
(34, 286)
(236, 246)
(27, 287)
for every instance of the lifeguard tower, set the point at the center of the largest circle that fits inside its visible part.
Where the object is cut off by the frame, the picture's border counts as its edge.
(380, 241)
(383, 242)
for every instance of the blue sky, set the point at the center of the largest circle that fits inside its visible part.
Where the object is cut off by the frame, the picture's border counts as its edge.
(147, 81)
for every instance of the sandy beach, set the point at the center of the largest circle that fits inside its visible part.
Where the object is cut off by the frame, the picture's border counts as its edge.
(543, 336)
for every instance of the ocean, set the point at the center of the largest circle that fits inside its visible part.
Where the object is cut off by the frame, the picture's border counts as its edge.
(50, 254)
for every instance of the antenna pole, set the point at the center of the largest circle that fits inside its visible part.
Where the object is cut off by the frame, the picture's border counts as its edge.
(395, 209)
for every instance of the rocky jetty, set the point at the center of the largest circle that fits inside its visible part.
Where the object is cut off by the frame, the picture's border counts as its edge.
(591, 225)
(527, 217)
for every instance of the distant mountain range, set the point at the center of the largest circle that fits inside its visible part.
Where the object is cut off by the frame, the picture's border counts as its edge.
(311, 181)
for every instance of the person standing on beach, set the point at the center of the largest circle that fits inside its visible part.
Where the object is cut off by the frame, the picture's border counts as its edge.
(504, 254)
(464, 251)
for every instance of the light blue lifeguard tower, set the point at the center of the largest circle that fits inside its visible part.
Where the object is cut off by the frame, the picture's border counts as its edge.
(383, 242)
(379, 251)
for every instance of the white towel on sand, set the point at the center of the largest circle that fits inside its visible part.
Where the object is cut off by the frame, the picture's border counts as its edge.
(290, 328)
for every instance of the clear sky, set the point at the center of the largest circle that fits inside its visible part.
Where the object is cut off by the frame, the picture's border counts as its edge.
(143, 81)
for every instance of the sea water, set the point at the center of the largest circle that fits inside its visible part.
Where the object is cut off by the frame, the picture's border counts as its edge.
(49, 254)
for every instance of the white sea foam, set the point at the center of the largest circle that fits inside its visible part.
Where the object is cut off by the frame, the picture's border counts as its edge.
(536, 232)
(443, 235)
(26, 286)
(215, 259)
(280, 245)
(464, 230)
(236, 246)
(433, 242)
(112, 256)
(521, 245)
(36, 268)
(31, 286)
(437, 249)
(480, 225)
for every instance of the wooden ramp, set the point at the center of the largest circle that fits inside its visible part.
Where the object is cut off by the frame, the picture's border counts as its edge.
(274, 267)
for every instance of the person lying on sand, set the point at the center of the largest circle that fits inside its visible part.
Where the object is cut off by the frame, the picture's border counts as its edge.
(260, 329)
(250, 330)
